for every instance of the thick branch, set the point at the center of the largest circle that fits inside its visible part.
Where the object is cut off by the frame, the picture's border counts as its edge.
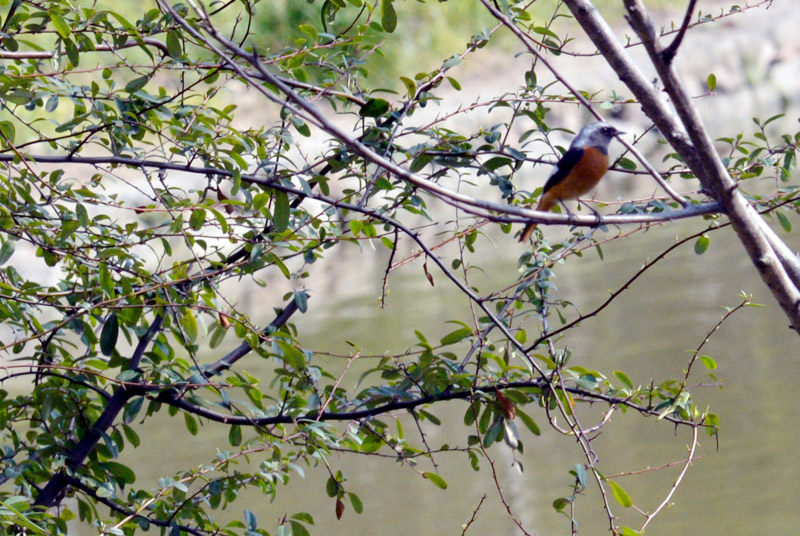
(243, 349)
(525, 39)
(494, 211)
(696, 149)
(669, 53)
(172, 397)
(748, 225)
(53, 491)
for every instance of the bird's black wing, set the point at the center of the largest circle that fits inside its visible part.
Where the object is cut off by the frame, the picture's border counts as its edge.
(564, 166)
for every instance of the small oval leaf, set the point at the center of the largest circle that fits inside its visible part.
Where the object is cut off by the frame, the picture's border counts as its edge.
(374, 108)
(621, 376)
(281, 213)
(388, 16)
(620, 494)
(109, 335)
(701, 245)
(436, 479)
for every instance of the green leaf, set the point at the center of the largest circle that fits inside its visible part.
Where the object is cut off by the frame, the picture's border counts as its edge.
(541, 30)
(280, 219)
(455, 336)
(197, 219)
(712, 82)
(493, 433)
(580, 473)
(301, 126)
(521, 336)
(109, 335)
(784, 221)
(301, 299)
(452, 61)
(497, 162)
(124, 22)
(388, 16)
(136, 84)
(709, 363)
(436, 479)
(529, 423)
(106, 281)
(298, 529)
(411, 86)
(309, 30)
(51, 104)
(217, 336)
(621, 376)
(356, 502)
(701, 245)
(251, 520)
(130, 434)
(235, 435)
(374, 108)
(560, 503)
(6, 251)
(420, 162)
(620, 494)
(121, 472)
(72, 52)
(20, 518)
(331, 487)
(304, 517)
(8, 131)
(472, 413)
(174, 48)
(355, 226)
(260, 201)
(292, 356)
(627, 531)
(189, 325)
(60, 25)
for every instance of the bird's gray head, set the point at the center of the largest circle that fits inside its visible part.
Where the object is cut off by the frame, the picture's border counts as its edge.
(597, 135)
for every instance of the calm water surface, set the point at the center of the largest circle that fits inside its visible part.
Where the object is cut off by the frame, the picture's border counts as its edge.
(747, 484)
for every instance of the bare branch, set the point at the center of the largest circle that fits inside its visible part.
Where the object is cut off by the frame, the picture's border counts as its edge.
(698, 150)
(669, 53)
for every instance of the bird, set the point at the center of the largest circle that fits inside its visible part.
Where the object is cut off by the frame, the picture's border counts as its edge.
(579, 170)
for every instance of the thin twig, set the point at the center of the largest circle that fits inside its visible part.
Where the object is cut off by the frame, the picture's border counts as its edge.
(668, 54)
(674, 484)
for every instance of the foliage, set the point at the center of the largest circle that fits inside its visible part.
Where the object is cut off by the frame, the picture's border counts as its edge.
(160, 162)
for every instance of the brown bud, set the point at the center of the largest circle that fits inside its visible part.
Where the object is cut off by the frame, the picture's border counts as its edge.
(508, 408)
(339, 508)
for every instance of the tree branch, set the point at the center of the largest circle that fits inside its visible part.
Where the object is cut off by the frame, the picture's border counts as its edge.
(481, 207)
(698, 150)
(668, 53)
(243, 349)
(55, 488)
(523, 37)
(172, 397)
(77, 484)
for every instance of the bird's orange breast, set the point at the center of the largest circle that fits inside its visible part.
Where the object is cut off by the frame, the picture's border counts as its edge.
(584, 176)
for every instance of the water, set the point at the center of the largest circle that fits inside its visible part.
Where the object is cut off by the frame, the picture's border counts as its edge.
(649, 332)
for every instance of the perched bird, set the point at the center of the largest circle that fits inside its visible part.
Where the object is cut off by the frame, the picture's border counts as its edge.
(579, 170)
